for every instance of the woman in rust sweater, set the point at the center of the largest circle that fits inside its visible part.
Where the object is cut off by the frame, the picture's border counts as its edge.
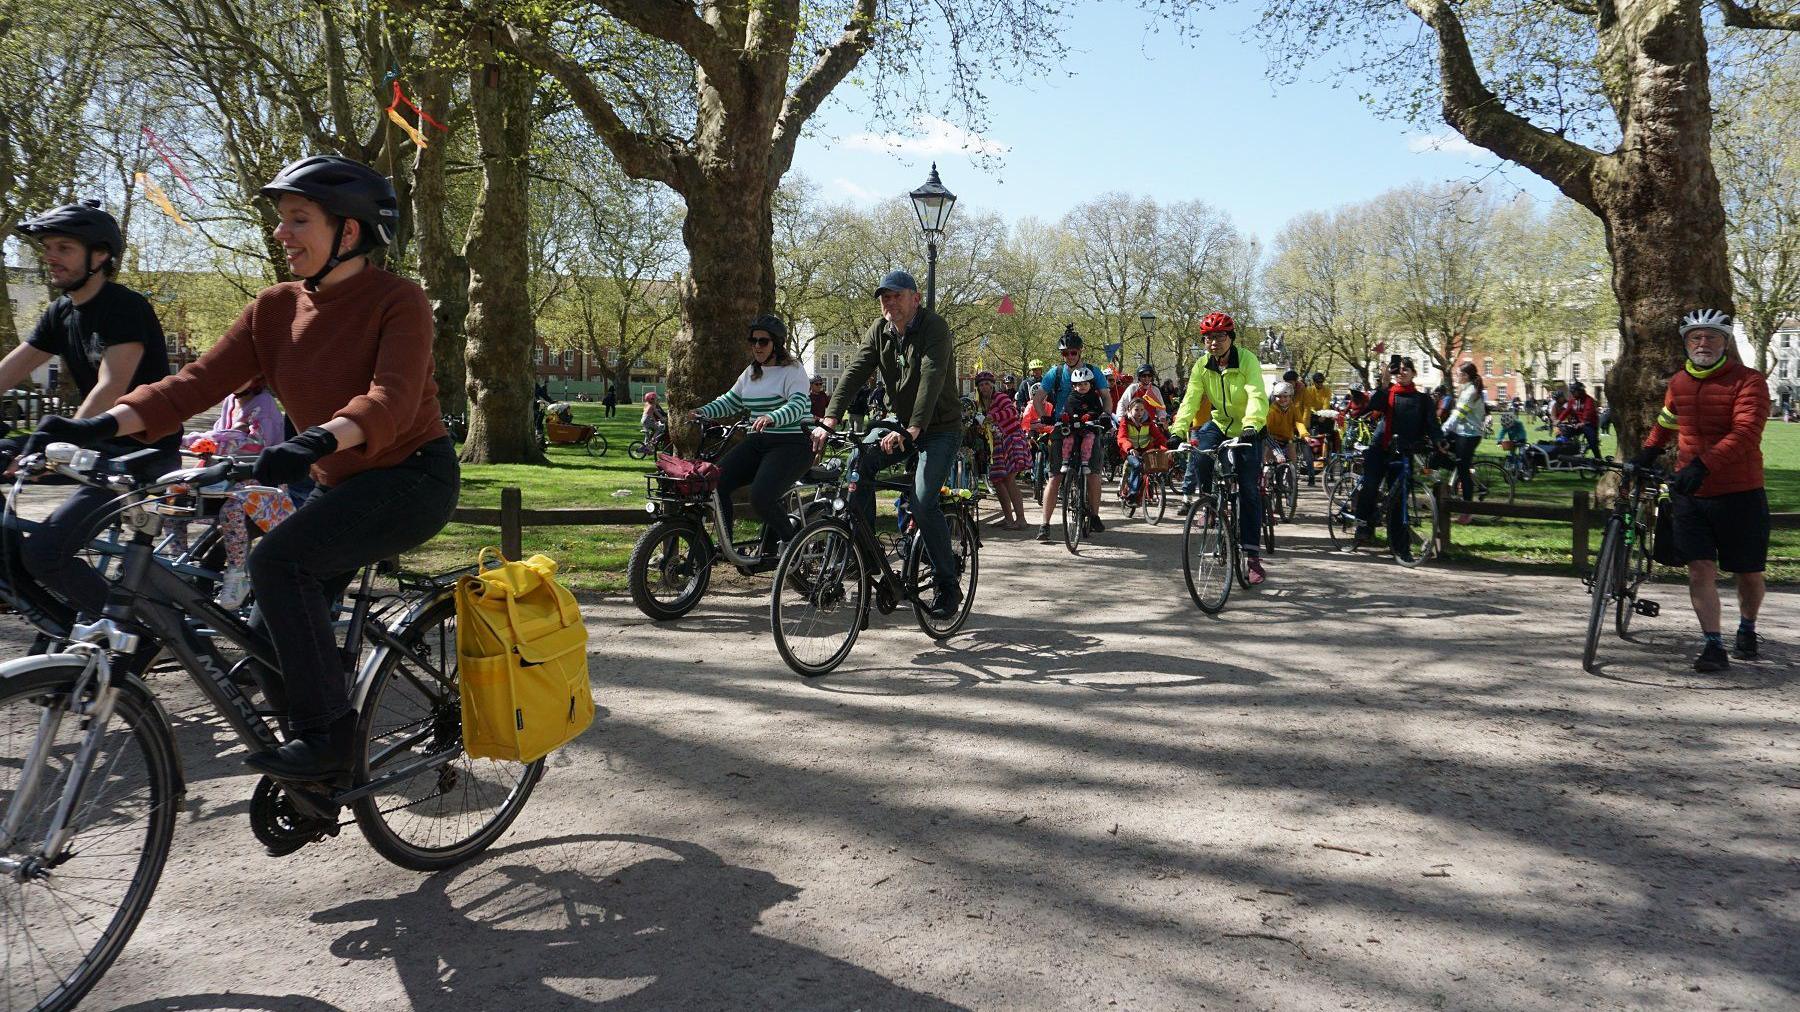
(348, 352)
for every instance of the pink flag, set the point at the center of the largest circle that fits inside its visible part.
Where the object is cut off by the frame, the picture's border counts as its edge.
(1006, 306)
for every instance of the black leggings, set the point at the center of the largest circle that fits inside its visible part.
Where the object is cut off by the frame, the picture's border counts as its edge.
(305, 561)
(1465, 465)
(770, 463)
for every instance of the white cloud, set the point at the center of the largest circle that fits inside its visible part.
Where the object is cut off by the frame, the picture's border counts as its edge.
(1446, 142)
(932, 136)
(852, 190)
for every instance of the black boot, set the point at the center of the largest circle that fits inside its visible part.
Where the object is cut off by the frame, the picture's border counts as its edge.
(318, 754)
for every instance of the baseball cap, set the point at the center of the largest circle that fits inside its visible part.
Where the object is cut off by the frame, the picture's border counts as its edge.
(897, 281)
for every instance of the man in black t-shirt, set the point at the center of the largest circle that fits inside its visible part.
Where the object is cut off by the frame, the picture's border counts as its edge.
(109, 341)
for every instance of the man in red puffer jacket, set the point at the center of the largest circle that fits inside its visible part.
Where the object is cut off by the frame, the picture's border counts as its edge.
(1714, 412)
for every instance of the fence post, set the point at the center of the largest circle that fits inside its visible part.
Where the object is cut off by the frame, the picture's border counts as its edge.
(512, 534)
(1580, 532)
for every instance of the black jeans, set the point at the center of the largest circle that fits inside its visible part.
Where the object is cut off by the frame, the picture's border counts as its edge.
(49, 551)
(305, 561)
(1465, 465)
(770, 463)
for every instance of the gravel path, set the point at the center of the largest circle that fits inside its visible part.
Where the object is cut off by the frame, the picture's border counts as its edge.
(1361, 787)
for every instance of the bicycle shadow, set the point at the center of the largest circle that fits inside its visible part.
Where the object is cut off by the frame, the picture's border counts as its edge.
(1670, 664)
(232, 1001)
(621, 920)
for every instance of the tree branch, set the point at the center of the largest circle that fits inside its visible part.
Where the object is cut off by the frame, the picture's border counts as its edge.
(825, 75)
(1753, 16)
(675, 22)
(1581, 7)
(640, 156)
(1478, 114)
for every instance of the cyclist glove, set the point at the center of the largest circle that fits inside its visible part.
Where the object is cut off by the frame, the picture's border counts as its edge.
(1647, 457)
(80, 431)
(1688, 479)
(288, 462)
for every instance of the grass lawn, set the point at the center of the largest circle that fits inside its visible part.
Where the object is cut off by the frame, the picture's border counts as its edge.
(594, 558)
(1544, 544)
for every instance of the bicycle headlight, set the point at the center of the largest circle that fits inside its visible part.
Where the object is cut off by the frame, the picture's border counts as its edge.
(84, 460)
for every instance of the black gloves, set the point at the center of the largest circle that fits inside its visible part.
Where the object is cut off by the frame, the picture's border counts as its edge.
(1248, 434)
(1647, 457)
(289, 461)
(80, 431)
(1688, 479)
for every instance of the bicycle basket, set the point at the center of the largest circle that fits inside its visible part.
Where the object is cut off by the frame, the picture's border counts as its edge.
(1156, 461)
(686, 477)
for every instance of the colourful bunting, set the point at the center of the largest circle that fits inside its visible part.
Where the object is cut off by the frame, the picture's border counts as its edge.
(168, 157)
(161, 200)
(413, 132)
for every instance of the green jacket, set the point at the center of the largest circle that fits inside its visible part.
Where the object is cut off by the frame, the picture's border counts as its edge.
(918, 368)
(1233, 397)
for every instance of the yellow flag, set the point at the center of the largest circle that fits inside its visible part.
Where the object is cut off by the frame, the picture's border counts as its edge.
(161, 200)
(411, 131)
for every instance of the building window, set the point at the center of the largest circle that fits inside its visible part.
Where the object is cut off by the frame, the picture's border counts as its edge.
(537, 355)
(1500, 391)
(1574, 372)
(834, 360)
(1488, 366)
(568, 358)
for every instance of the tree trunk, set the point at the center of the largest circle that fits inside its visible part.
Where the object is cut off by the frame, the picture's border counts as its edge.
(728, 284)
(9, 332)
(500, 325)
(444, 269)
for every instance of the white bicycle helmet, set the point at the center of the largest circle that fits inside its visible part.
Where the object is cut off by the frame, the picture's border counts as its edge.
(1282, 389)
(1082, 374)
(1710, 319)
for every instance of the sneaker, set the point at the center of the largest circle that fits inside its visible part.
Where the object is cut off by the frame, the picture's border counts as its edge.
(1187, 506)
(1745, 647)
(1712, 658)
(1256, 574)
(1044, 534)
(1094, 523)
(946, 603)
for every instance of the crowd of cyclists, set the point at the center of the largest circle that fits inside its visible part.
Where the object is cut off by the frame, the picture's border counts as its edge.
(359, 447)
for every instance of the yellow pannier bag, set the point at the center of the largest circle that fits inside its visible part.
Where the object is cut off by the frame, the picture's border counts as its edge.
(522, 660)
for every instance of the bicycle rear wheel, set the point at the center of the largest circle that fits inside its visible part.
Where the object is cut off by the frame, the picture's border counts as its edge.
(1606, 575)
(1634, 571)
(1493, 482)
(430, 815)
(1156, 497)
(1419, 526)
(1340, 495)
(919, 575)
(1208, 556)
(820, 599)
(65, 917)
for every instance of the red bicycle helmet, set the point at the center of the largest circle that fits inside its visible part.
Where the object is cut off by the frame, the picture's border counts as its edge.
(984, 376)
(1216, 323)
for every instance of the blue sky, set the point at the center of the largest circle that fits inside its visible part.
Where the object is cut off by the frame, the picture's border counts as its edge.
(1155, 114)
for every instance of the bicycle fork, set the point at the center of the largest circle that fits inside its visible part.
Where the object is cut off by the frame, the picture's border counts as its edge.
(96, 714)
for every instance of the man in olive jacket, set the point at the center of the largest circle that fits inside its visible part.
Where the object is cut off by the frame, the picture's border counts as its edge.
(912, 348)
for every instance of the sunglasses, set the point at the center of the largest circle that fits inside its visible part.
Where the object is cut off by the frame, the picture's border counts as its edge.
(760, 341)
(1071, 351)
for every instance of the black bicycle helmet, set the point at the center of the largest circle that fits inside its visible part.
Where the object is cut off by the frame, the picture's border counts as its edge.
(1069, 339)
(344, 188)
(85, 223)
(772, 324)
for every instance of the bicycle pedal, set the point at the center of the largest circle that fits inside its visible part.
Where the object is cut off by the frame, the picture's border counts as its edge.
(1648, 609)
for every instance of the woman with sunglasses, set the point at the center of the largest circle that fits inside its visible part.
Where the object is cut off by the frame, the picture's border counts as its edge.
(772, 389)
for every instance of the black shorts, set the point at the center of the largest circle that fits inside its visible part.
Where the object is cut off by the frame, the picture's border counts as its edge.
(1732, 529)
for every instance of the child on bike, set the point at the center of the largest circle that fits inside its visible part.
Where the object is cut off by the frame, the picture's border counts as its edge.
(1512, 437)
(655, 419)
(1138, 432)
(1085, 404)
(1286, 423)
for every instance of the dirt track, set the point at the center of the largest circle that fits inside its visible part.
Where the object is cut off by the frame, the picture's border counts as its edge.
(1359, 788)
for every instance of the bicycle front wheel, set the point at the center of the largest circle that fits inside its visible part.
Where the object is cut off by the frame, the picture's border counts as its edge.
(1602, 587)
(437, 806)
(1156, 497)
(64, 917)
(637, 450)
(820, 599)
(1074, 509)
(1208, 556)
(1634, 570)
(1420, 528)
(596, 446)
(1493, 482)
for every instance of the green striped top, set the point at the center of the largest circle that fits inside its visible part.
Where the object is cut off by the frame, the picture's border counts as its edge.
(781, 394)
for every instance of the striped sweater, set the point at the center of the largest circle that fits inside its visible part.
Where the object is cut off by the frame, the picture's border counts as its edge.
(781, 394)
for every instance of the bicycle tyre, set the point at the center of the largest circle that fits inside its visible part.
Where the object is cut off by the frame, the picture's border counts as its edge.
(1208, 556)
(417, 690)
(1635, 570)
(1601, 589)
(636, 450)
(1290, 478)
(965, 543)
(822, 560)
(652, 552)
(1493, 482)
(1074, 510)
(27, 684)
(597, 446)
(1340, 495)
(1155, 485)
(1420, 508)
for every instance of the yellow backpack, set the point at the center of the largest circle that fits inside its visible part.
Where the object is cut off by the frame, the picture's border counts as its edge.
(522, 660)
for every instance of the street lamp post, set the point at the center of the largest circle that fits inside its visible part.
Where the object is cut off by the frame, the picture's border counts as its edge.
(1148, 319)
(932, 203)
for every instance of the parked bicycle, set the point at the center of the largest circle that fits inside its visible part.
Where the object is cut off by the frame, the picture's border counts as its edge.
(1626, 553)
(837, 567)
(91, 783)
(672, 561)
